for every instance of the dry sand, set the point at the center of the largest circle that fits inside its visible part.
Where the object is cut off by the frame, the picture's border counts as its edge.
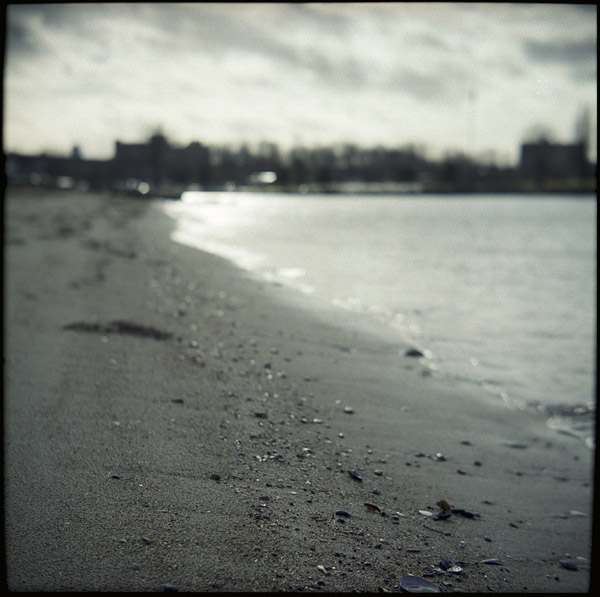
(171, 423)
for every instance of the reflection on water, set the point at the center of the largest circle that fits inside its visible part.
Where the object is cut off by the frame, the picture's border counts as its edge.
(499, 291)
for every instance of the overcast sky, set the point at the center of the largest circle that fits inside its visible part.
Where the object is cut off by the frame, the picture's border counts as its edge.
(447, 76)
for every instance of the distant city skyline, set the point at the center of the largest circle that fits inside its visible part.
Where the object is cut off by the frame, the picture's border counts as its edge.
(443, 76)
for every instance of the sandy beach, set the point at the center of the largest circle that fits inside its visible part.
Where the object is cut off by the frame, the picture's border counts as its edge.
(171, 423)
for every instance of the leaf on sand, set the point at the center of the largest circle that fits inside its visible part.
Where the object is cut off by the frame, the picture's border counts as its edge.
(444, 505)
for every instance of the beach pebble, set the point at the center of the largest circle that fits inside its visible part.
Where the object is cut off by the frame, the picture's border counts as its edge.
(465, 513)
(355, 475)
(569, 565)
(372, 507)
(449, 565)
(348, 410)
(413, 352)
(343, 513)
(442, 515)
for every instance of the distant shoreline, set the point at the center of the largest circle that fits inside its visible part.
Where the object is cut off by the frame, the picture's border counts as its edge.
(579, 188)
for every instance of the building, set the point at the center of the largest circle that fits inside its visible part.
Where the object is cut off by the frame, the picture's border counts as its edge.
(158, 163)
(542, 160)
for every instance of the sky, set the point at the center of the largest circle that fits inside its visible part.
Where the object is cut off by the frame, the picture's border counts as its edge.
(445, 77)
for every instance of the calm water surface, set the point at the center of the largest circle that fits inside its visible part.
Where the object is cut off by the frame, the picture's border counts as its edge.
(500, 291)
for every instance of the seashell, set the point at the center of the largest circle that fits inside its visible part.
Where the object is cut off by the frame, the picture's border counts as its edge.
(416, 584)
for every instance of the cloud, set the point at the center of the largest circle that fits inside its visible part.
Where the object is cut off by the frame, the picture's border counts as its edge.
(209, 71)
(578, 55)
(445, 82)
(19, 41)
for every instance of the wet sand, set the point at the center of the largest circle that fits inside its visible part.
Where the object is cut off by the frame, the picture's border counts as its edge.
(171, 423)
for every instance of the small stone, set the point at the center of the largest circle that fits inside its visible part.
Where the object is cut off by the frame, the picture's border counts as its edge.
(355, 475)
(492, 561)
(465, 513)
(569, 565)
(348, 410)
(413, 352)
(168, 587)
(372, 507)
(442, 515)
(447, 564)
(260, 415)
(343, 513)
(147, 541)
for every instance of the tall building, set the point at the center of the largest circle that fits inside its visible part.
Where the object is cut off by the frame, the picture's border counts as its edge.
(542, 160)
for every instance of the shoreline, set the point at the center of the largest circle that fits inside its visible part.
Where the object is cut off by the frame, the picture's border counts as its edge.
(231, 444)
(562, 412)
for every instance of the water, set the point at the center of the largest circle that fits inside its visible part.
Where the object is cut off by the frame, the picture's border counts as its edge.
(499, 291)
